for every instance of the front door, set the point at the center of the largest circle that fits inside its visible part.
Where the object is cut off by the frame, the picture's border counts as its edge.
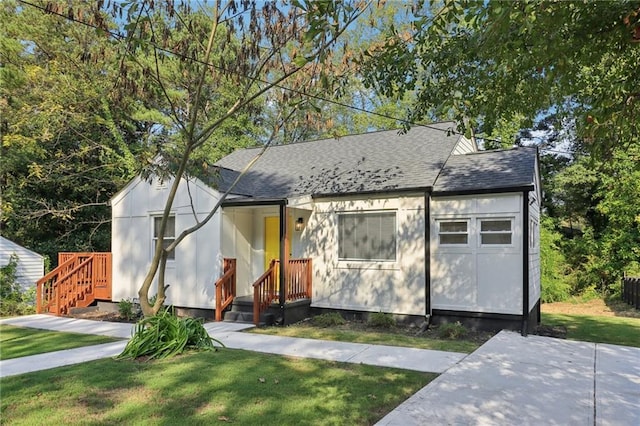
(271, 240)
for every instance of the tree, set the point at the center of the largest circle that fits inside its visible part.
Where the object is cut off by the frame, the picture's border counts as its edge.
(498, 68)
(210, 65)
(68, 139)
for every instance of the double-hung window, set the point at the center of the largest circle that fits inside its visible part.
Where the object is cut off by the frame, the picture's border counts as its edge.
(169, 234)
(495, 232)
(453, 232)
(369, 236)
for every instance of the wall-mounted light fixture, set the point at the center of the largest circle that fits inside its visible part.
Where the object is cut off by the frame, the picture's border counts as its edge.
(299, 224)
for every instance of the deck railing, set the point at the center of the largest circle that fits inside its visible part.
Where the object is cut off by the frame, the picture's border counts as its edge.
(298, 285)
(79, 279)
(225, 287)
(298, 279)
(264, 291)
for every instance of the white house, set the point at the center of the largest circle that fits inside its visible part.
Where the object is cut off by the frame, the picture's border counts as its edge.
(30, 265)
(418, 224)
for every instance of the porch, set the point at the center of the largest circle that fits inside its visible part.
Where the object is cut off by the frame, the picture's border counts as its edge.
(270, 302)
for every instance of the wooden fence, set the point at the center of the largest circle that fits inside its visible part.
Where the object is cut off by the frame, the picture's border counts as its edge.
(631, 291)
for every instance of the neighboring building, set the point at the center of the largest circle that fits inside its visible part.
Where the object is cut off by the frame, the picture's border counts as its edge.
(418, 224)
(30, 267)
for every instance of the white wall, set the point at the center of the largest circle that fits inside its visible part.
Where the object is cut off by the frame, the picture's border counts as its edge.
(30, 265)
(396, 287)
(534, 250)
(198, 259)
(477, 278)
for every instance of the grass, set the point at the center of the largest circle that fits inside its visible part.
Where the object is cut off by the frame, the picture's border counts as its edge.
(18, 341)
(598, 329)
(387, 337)
(205, 388)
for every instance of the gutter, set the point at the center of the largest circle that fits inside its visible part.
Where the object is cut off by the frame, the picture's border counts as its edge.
(427, 257)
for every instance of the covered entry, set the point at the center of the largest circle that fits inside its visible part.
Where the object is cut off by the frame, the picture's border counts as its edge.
(259, 236)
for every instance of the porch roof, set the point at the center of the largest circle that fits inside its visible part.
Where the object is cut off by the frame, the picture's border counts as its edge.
(371, 162)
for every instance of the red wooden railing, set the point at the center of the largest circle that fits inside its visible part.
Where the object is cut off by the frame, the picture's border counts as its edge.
(225, 287)
(298, 279)
(79, 279)
(264, 291)
(298, 285)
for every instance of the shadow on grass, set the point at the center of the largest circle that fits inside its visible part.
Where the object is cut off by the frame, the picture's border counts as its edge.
(209, 387)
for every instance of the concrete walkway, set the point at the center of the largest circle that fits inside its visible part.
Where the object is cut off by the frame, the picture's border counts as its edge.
(229, 334)
(509, 380)
(531, 381)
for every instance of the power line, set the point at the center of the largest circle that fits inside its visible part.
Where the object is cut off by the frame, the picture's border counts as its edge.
(120, 38)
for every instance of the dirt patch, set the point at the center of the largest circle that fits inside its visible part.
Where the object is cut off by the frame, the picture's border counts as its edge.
(97, 315)
(595, 307)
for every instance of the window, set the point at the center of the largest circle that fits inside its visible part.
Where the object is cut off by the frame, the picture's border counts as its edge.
(367, 236)
(453, 232)
(169, 233)
(495, 231)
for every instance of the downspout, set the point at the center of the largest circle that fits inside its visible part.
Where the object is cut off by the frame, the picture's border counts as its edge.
(283, 258)
(525, 262)
(427, 257)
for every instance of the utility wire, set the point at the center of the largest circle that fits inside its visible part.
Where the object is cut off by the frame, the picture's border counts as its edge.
(120, 38)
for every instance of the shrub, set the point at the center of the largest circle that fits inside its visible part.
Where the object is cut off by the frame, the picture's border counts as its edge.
(13, 301)
(165, 335)
(126, 308)
(381, 320)
(452, 330)
(329, 319)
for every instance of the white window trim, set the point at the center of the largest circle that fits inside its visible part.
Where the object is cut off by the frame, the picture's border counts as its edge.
(367, 263)
(447, 220)
(511, 219)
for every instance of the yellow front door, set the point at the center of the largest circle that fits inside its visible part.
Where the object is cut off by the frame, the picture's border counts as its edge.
(271, 240)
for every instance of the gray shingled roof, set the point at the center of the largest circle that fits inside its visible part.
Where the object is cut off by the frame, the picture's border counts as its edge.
(488, 170)
(377, 161)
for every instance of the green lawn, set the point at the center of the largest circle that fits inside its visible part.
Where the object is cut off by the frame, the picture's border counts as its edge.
(599, 329)
(206, 388)
(18, 341)
(372, 337)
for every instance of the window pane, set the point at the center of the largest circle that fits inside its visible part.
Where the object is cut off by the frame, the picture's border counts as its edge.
(496, 238)
(453, 238)
(495, 225)
(453, 226)
(170, 230)
(165, 244)
(367, 236)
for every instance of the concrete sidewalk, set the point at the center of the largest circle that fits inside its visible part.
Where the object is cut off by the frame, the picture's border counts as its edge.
(228, 333)
(531, 381)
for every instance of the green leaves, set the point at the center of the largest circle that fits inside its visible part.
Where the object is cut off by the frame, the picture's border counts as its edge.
(165, 335)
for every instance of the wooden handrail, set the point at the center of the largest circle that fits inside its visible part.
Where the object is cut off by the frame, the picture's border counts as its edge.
(264, 291)
(75, 282)
(225, 287)
(297, 285)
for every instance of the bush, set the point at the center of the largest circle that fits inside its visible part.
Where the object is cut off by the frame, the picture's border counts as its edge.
(165, 335)
(381, 320)
(13, 301)
(329, 319)
(452, 330)
(127, 309)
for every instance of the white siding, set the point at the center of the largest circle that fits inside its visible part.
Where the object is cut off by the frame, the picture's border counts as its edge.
(198, 259)
(534, 250)
(465, 146)
(473, 277)
(396, 287)
(30, 265)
